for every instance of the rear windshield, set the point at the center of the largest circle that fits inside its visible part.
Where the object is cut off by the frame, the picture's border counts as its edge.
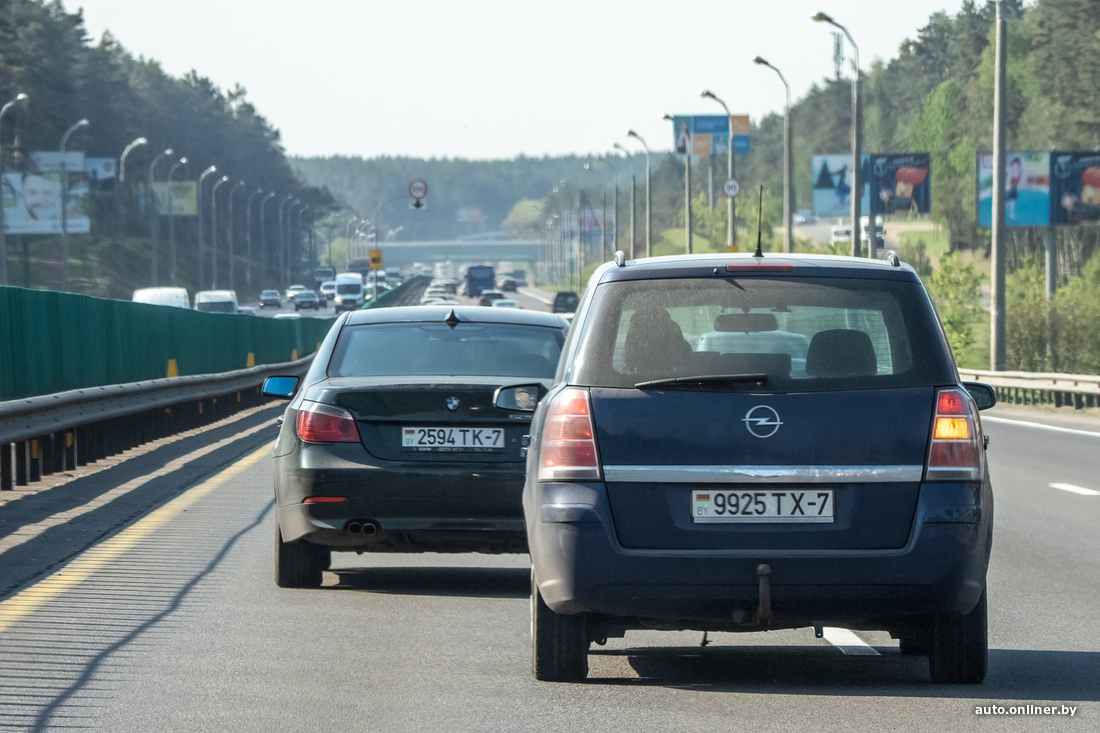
(221, 306)
(352, 289)
(427, 349)
(802, 335)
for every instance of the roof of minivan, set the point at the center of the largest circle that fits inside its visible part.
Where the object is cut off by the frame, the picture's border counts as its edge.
(214, 296)
(803, 265)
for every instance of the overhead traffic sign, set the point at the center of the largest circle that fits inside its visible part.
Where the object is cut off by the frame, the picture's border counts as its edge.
(418, 189)
(731, 188)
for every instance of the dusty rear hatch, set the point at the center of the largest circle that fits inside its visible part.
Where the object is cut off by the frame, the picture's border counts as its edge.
(762, 412)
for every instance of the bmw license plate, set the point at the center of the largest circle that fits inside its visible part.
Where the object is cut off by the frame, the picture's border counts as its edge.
(815, 505)
(444, 440)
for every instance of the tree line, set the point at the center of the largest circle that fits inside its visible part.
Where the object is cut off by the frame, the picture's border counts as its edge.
(45, 53)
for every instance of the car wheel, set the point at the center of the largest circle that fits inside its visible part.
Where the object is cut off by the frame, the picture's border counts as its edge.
(299, 564)
(559, 643)
(960, 646)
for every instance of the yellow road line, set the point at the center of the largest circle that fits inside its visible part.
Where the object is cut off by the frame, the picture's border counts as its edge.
(33, 597)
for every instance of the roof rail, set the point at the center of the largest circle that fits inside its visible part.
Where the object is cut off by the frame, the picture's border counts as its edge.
(620, 259)
(892, 258)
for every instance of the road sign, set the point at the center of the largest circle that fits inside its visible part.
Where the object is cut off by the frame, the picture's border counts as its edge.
(417, 205)
(418, 189)
(375, 259)
(731, 188)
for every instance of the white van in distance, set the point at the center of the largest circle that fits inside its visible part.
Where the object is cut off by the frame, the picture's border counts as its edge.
(349, 292)
(216, 301)
(175, 297)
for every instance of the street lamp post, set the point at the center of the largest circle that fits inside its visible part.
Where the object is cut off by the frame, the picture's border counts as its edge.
(298, 237)
(347, 242)
(65, 206)
(633, 190)
(263, 240)
(232, 236)
(687, 193)
(136, 143)
(202, 235)
(603, 206)
(248, 238)
(282, 240)
(290, 238)
(19, 99)
(172, 222)
(648, 197)
(214, 231)
(787, 158)
(731, 205)
(857, 124)
(154, 221)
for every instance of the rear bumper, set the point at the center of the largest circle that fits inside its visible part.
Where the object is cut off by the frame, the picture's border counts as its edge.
(581, 567)
(408, 507)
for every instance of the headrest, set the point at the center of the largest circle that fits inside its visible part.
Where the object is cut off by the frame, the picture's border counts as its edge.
(841, 353)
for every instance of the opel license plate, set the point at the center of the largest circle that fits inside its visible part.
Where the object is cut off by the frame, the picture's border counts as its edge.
(444, 440)
(710, 506)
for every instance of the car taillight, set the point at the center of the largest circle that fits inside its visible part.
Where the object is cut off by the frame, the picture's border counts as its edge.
(955, 450)
(326, 424)
(567, 449)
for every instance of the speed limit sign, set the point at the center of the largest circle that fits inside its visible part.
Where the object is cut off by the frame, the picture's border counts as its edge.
(418, 189)
(731, 188)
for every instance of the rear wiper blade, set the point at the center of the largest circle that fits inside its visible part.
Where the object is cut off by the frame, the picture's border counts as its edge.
(702, 382)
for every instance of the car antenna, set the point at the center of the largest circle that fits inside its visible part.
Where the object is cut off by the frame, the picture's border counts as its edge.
(452, 319)
(759, 223)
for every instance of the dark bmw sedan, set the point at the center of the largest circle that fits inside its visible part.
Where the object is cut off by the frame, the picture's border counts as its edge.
(408, 434)
(742, 443)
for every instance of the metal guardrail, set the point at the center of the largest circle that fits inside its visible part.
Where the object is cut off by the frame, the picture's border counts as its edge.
(57, 432)
(1036, 388)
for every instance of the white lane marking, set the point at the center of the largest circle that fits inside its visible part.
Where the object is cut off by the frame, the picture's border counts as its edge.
(530, 294)
(1040, 425)
(1075, 489)
(847, 642)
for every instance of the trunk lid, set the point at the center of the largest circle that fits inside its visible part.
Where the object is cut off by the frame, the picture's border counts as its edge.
(866, 446)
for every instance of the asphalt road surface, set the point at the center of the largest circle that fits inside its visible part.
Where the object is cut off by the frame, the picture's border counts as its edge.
(171, 621)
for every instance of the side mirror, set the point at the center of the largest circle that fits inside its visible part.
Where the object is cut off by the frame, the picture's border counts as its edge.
(282, 387)
(983, 394)
(521, 398)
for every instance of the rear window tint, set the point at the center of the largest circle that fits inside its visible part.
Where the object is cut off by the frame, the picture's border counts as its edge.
(804, 334)
(468, 349)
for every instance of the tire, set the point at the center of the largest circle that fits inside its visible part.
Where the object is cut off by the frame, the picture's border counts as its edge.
(960, 646)
(299, 564)
(559, 644)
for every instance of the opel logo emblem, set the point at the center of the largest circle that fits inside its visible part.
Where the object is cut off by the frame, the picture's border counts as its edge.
(762, 421)
(452, 403)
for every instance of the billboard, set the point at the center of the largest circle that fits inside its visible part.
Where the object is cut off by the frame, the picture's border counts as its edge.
(1027, 189)
(32, 198)
(183, 198)
(100, 169)
(1074, 187)
(902, 183)
(710, 134)
(832, 184)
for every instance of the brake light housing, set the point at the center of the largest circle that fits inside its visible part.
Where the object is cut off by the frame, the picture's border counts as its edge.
(955, 445)
(567, 447)
(319, 423)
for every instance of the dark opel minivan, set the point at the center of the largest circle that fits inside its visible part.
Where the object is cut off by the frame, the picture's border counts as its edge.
(740, 443)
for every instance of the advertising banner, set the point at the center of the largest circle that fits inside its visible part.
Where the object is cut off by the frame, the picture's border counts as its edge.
(681, 134)
(183, 198)
(1074, 188)
(832, 185)
(901, 182)
(32, 199)
(100, 169)
(710, 134)
(1027, 188)
(741, 128)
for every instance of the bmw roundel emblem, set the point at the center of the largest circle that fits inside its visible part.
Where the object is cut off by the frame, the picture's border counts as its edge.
(452, 403)
(762, 421)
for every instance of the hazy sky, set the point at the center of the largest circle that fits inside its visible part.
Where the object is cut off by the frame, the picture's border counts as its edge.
(495, 78)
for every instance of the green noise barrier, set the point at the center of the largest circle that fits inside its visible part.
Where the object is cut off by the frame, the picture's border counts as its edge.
(54, 342)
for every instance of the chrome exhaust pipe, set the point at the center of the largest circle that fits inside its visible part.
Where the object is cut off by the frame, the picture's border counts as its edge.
(368, 528)
(355, 527)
